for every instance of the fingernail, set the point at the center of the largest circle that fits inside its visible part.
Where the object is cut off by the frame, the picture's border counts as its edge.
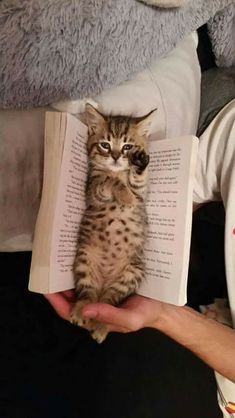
(89, 314)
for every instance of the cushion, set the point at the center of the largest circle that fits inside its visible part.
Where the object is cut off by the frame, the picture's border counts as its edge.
(171, 84)
(217, 89)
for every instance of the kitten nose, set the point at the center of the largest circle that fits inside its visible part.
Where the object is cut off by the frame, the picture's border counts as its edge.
(115, 155)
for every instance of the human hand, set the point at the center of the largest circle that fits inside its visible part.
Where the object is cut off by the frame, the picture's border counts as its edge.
(136, 313)
(62, 302)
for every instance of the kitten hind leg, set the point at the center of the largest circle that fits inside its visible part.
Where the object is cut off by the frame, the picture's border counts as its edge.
(100, 332)
(86, 293)
(116, 292)
(76, 317)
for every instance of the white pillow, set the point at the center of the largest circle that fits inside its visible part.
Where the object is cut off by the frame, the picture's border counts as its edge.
(172, 85)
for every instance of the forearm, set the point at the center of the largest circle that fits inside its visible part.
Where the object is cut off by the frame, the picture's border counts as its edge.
(213, 342)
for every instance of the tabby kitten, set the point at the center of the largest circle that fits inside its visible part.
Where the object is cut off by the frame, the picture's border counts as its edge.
(109, 265)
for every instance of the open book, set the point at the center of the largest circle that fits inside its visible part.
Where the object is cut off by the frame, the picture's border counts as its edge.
(169, 208)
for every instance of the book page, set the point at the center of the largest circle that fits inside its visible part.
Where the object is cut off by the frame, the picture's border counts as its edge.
(169, 208)
(70, 205)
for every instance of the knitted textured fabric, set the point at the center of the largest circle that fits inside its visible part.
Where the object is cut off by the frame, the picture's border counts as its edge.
(222, 33)
(53, 50)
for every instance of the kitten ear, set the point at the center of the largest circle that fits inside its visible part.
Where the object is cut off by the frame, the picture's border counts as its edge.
(143, 124)
(94, 119)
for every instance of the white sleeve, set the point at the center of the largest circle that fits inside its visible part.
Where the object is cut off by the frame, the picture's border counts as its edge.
(215, 179)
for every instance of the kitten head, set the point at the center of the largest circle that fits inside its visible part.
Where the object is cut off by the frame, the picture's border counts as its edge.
(110, 138)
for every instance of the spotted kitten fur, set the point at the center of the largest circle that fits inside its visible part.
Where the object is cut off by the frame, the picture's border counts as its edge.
(109, 264)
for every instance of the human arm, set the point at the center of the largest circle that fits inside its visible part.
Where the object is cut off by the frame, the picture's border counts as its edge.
(213, 342)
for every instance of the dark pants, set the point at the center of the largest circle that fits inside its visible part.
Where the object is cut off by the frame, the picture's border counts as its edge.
(49, 368)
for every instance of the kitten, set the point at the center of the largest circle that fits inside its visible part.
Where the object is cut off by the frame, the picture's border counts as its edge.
(109, 265)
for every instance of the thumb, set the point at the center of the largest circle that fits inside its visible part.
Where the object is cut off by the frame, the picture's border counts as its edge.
(116, 317)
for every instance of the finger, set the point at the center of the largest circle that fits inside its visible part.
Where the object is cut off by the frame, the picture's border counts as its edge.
(61, 305)
(113, 328)
(116, 317)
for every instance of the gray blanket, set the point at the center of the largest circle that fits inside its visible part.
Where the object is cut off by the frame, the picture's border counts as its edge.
(54, 50)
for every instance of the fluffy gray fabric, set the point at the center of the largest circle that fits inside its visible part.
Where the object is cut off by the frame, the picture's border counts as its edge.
(222, 33)
(54, 50)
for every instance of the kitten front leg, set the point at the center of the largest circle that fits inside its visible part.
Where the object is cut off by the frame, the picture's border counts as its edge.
(138, 159)
(138, 174)
(113, 189)
(123, 194)
(110, 189)
(103, 191)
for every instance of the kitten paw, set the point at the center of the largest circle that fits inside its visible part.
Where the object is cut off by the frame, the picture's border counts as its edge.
(139, 158)
(76, 317)
(100, 333)
(124, 197)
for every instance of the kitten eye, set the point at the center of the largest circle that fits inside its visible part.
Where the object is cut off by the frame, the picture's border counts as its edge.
(126, 147)
(105, 145)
